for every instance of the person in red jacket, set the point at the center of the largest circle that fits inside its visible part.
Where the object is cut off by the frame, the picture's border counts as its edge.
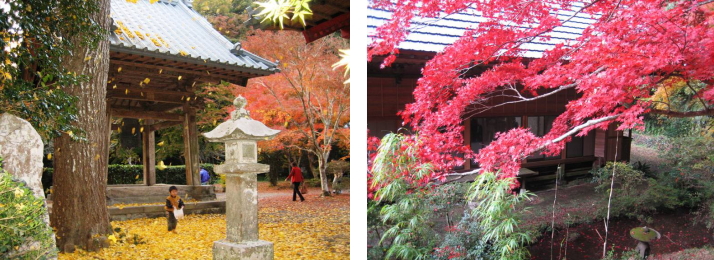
(296, 176)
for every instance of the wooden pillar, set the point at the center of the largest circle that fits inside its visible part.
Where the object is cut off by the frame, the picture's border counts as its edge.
(149, 151)
(190, 140)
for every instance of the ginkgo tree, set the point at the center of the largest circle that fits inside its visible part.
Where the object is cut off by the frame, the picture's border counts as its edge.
(620, 66)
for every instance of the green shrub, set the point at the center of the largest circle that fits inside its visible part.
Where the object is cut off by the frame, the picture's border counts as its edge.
(313, 182)
(132, 174)
(338, 166)
(464, 242)
(636, 196)
(21, 224)
(496, 216)
(416, 221)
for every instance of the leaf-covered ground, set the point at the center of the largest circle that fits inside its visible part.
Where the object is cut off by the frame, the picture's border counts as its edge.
(315, 229)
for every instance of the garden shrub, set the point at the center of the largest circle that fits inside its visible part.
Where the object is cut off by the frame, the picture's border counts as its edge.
(23, 233)
(636, 196)
(408, 220)
(132, 174)
(496, 215)
(463, 242)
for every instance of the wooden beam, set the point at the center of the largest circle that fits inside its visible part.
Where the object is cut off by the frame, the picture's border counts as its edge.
(125, 113)
(558, 161)
(156, 65)
(149, 155)
(149, 94)
(328, 27)
(190, 138)
(163, 125)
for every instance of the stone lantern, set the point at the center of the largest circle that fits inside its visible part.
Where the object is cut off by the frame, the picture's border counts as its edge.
(240, 135)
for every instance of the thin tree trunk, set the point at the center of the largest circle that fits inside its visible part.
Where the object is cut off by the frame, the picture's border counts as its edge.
(80, 169)
(324, 182)
(310, 163)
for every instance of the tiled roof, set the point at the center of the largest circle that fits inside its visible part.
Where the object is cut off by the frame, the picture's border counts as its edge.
(433, 34)
(172, 30)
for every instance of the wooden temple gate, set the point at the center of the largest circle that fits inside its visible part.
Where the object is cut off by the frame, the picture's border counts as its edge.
(156, 65)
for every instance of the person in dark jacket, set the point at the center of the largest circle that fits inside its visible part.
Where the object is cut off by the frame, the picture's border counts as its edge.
(296, 178)
(173, 201)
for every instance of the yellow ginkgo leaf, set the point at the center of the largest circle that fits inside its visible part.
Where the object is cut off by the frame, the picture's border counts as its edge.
(153, 1)
(141, 130)
(137, 177)
(97, 157)
(88, 58)
(188, 99)
(70, 133)
(133, 130)
(126, 92)
(49, 156)
(179, 77)
(161, 166)
(160, 143)
(147, 80)
(119, 69)
(115, 86)
(161, 70)
(119, 130)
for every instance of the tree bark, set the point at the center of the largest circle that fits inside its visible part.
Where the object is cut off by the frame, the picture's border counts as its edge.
(322, 167)
(310, 163)
(80, 169)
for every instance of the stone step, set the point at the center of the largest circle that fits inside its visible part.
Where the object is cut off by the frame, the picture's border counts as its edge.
(155, 211)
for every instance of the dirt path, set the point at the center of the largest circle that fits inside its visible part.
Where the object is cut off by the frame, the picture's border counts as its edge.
(649, 156)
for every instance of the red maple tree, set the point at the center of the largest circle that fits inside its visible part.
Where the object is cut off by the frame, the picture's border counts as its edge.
(632, 50)
(307, 98)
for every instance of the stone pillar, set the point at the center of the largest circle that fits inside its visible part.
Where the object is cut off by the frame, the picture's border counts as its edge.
(242, 214)
(242, 221)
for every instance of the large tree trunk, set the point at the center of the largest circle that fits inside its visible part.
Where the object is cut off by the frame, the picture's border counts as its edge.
(79, 209)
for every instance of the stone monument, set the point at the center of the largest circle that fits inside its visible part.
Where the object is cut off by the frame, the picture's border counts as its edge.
(21, 148)
(240, 135)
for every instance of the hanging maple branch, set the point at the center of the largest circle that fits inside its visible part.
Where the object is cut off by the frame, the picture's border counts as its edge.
(612, 71)
(546, 144)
